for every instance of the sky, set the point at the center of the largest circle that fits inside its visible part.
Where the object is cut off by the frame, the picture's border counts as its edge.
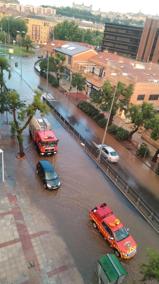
(149, 7)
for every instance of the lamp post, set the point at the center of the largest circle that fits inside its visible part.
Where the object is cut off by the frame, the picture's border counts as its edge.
(47, 76)
(1, 152)
(106, 126)
(20, 45)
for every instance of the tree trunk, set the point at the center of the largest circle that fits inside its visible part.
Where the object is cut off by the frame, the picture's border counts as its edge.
(132, 132)
(21, 147)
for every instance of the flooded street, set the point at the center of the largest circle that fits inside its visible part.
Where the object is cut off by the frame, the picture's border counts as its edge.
(83, 186)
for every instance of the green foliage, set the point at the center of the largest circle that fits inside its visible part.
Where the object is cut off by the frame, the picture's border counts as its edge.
(141, 115)
(78, 81)
(122, 134)
(86, 15)
(91, 111)
(12, 25)
(69, 30)
(157, 170)
(121, 95)
(154, 125)
(112, 129)
(53, 81)
(27, 43)
(3, 36)
(150, 270)
(52, 64)
(22, 113)
(143, 151)
(102, 122)
(4, 66)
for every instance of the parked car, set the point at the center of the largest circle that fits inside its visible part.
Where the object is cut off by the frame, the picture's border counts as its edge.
(108, 152)
(48, 175)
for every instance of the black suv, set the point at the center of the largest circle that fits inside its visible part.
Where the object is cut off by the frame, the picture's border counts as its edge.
(48, 175)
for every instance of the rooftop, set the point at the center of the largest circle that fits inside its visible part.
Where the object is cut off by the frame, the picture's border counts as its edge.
(128, 68)
(71, 48)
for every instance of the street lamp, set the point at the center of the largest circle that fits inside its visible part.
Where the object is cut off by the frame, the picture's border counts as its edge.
(106, 126)
(21, 33)
(1, 152)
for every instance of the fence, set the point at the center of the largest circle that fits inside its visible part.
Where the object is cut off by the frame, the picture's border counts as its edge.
(91, 150)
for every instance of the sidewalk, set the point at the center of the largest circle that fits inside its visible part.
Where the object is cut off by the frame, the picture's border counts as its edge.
(31, 250)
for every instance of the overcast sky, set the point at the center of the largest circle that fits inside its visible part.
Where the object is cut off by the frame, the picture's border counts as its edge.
(150, 7)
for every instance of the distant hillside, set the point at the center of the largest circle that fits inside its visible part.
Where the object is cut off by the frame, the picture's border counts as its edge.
(9, 1)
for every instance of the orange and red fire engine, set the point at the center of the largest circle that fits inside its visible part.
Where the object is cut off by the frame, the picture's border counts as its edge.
(113, 231)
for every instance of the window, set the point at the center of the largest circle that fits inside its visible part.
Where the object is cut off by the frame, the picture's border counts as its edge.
(108, 230)
(140, 97)
(153, 97)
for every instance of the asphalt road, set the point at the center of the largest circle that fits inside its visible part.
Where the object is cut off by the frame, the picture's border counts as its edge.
(83, 186)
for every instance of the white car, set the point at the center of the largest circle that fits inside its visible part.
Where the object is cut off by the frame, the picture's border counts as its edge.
(48, 96)
(108, 152)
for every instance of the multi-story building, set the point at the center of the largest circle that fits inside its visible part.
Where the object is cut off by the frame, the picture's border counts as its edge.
(27, 9)
(122, 39)
(39, 29)
(135, 42)
(107, 66)
(82, 7)
(149, 44)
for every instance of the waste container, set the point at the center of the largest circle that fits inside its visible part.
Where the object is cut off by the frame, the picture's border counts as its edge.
(110, 270)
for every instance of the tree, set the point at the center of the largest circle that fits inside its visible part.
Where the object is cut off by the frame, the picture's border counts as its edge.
(140, 115)
(11, 25)
(67, 31)
(150, 270)
(78, 81)
(103, 98)
(53, 64)
(22, 113)
(4, 66)
(3, 36)
(27, 42)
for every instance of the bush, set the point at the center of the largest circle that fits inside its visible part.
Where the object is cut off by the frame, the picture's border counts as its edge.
(122, 134)
(102, 122)
(112, 129)
(53, 81)
(157, 170)
(143, 151)
(98, 117)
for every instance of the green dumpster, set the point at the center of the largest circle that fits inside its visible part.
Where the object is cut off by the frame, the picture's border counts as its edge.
(110, 270)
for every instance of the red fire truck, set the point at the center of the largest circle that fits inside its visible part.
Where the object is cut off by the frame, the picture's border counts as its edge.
(43, 136)
(113, 231)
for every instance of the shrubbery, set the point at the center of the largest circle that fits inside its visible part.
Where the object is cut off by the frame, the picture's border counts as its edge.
(119, 132)
(91, 111)
(143, 151)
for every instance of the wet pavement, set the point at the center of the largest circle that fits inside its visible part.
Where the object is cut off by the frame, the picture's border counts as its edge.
(61, 239)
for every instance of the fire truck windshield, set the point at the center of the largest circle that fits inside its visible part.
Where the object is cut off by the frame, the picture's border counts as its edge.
(49, 144)
(121, 234)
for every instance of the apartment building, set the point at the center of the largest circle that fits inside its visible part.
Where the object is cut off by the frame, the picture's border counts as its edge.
(27, 9)
(108, 66)
(122, 39)
(39, 30)
(149, 44)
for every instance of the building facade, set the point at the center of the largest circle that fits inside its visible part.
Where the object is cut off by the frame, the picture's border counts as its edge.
(39, 30)
(122, 39)
(149, 44)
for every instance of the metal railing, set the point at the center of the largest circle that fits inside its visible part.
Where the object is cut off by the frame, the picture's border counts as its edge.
(91, 150)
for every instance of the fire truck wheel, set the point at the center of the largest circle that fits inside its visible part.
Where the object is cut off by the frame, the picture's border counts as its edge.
(117, 253)
(94, 225)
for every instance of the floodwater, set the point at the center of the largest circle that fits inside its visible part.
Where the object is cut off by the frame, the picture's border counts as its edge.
(83, 186)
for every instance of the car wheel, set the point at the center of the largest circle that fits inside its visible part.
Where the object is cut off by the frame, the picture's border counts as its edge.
(94, 225)
(45, 186)
(117, 253)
